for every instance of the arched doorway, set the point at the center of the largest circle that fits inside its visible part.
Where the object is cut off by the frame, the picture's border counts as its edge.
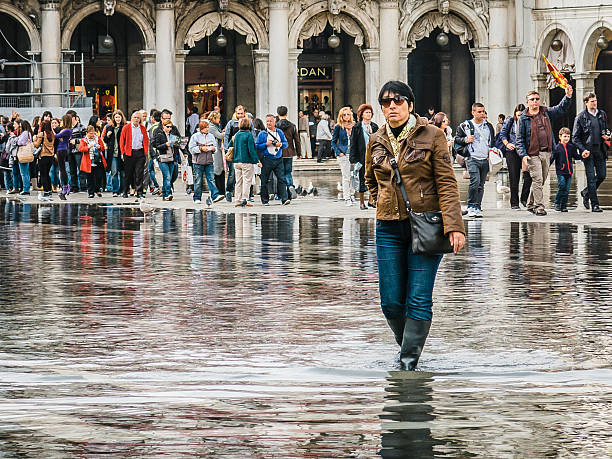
(330, 78)
(603, 83)
(14, 35)
(216, 74)
(222, 76)
(113, 75)
(442, 76)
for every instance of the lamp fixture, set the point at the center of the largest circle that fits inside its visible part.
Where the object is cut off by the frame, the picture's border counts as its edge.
(107, 41)
(556, 45)
(334, 40)
(442, 39)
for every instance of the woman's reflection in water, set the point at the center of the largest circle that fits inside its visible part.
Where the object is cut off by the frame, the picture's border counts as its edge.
(407, 415)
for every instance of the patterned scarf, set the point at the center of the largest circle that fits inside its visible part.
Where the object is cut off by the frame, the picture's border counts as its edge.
(395, 142)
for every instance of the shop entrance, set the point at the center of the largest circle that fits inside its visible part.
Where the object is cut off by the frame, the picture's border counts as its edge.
(220, 76)
(330, 78)
(113, 71)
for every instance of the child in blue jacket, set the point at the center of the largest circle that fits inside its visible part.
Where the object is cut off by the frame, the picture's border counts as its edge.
(564, 155)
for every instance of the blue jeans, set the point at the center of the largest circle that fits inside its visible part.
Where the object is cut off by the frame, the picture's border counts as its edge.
(8, 180)
(152, 179)
(405, 280)
(478, 169)
(167, 169)
(17, 176)
(563, 191)
(25, 176)
(117, 175)
(231, 178)
(53, 175)
(199, 172)
(288, 163)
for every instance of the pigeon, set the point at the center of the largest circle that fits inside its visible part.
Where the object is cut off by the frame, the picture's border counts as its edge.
(209, 201)
(299, 190)
(339, 187)
(310, 188)
(502, 189)
(146, 208)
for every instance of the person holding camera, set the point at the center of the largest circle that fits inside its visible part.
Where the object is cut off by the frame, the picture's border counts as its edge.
(270, 145)
(534, 143)
(592, 136)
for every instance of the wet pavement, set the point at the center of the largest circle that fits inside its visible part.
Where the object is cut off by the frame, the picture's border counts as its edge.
(195, 333)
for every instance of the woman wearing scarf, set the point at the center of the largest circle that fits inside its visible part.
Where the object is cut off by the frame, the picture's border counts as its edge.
(406, 279)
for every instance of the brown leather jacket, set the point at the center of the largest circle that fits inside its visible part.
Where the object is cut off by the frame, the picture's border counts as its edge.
(425, 166)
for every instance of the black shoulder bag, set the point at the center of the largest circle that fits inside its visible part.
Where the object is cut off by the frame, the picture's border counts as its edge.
(427, 228)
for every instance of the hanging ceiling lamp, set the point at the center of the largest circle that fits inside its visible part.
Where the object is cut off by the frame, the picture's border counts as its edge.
(602, 42)
(442, 39)
(556, 44)
(334, 40)
(108, 41)
(221, 40)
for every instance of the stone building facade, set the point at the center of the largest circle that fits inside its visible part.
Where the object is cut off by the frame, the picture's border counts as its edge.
(278, 52)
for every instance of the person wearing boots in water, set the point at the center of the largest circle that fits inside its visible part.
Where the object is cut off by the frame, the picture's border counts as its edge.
(406, 280)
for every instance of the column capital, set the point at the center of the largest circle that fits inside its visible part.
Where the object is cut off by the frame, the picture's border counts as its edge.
(405, 52)
(50, 5)
(164, 6)
(278, 4)
(148, 55)
(539, 77)
(294, 53)
(261, 55)
(498, 3)
(585, 76)
(181, 55)
(370, 54)
(480, 53)
(389, 4)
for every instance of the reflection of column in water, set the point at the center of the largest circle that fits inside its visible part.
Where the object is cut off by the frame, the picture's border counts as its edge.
(407, 416)
(244, 227)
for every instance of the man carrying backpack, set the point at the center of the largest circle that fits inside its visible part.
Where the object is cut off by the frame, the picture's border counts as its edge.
(472, 141)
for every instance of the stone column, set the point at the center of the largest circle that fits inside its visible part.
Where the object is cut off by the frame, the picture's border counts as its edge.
(339, 92)
(179, 116)
(260, 57)
(165, 65)
(371, 59)
(445, 82)
(481, 65)
(403, 64)
(292, 103)
(148, 78)
(585, 83)
(389, 42)
(279, 53)
(230, 90)
(122, 90)
(51, 51)
(498, 58)
(540, 85)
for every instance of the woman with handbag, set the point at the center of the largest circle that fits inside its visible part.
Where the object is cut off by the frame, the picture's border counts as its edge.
(167, 151)
(202, 146)
(418, 215)
(360, 136)
(25, 153)
(93, 162)
(46, 140)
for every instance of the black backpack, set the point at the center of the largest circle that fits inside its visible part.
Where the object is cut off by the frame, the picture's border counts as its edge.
(463, 150)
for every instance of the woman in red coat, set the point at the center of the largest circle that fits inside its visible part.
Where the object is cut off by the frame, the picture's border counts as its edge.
(93, 162)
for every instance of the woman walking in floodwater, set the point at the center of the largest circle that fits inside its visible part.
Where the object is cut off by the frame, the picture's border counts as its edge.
(406, 279)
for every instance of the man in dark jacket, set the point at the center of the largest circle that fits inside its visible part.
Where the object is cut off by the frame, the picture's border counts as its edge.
(534, 143)
(78, 178)
(294, 147)
(591, 135)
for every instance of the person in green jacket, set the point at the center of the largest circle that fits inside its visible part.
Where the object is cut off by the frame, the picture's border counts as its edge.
(245, 157)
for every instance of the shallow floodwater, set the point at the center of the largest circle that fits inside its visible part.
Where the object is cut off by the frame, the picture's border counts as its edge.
(222, 335)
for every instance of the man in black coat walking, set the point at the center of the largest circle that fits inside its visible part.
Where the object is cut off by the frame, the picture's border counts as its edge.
(591, 134)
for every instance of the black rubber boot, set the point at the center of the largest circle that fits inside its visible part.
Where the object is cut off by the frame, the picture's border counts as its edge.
(415, 334)
(397, 326)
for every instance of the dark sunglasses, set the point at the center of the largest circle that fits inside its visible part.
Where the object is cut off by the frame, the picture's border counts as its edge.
(535, 98)
(399, 100)
(168, 126)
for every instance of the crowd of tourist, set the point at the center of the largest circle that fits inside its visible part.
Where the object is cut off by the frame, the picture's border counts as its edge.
(247, 155)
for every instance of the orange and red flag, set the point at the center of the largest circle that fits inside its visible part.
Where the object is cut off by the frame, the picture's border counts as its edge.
(558, 76)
